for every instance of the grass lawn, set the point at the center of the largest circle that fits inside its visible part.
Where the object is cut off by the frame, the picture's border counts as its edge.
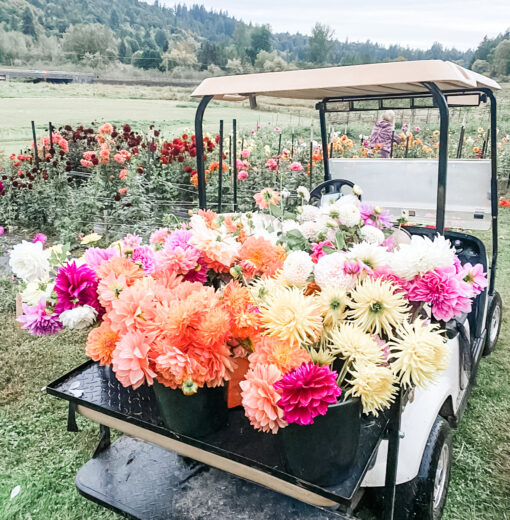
(38, 454)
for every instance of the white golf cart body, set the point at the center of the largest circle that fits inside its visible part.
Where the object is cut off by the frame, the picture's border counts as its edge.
(408, 187)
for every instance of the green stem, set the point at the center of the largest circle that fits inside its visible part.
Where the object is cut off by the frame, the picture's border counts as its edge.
(343, 372)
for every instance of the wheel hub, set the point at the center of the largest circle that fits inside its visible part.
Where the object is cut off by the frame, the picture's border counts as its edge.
(441, 474)
(495, 320)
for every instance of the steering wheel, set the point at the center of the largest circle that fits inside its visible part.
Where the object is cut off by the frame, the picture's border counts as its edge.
(331, 186)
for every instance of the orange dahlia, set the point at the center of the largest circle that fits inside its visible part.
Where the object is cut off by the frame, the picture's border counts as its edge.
(260, 257)
(271, 351)
(120, 265)
(101, 343)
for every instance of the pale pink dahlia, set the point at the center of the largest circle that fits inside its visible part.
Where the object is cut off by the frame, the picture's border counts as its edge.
(146, 258)
(131, 360)
(474, 276)
(95, 256)
(307, 392)
(259, 398)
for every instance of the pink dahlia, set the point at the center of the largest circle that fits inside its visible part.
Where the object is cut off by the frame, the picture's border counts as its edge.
(131, 241)
(37, 321)
(40, 237)
(307, 392)
(94, 256)
(145, 257)
(318, 250)
(159, 236)
(131, 360)
(296, 166)
(386, 274)
(76, 286)
(474, 276)
(198, 273)
(372, 216)
(178, 238)
(445, 290)
(259, 398)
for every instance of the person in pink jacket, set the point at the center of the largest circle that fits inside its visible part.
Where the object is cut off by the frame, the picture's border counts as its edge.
(383, 134)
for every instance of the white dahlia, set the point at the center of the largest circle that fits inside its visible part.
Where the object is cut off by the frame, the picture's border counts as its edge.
(289, 225)
(35, 291)
(303, 193)
(30, 262)
(371, 255)
(421, 255)
(310, 229)
(298, 266)
(329, 271)
(349, 215)
(309, 213)
(79, 317)
(372, 235)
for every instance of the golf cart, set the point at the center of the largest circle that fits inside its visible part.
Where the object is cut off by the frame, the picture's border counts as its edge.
(404, 455)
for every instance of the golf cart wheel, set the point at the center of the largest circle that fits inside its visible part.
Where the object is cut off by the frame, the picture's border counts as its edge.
(494, 316)
(424, 497)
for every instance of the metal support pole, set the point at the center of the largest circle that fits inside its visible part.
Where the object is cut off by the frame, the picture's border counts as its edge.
(441, 103)
(392, 141)
(324, 139)
(220, 171)
(36, 151)
(199, 139)
(494, 188)
(234, 159)
(392, 458)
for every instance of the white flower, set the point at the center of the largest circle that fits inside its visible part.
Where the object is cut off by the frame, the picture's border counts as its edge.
(357, 190)
(310, 229)
(372, 235)
(298, 266)
(285, 193)
(329, 271)
(348, 199)
(79, 317)
(289, 225)
(349, 215)
(267, 150)
(29, 261)
(35, 291)
(303, 193)
(371, 255)
(309, 213)
(421, 255)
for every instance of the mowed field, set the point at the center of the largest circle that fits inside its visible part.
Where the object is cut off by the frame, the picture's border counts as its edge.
(169, 108)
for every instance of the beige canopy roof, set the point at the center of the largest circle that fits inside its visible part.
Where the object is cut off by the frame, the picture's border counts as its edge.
(401, 77)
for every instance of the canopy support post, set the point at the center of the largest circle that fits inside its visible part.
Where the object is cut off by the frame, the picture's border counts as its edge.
(199, 139)
(441, 103)
(324, 138)
(494, 187)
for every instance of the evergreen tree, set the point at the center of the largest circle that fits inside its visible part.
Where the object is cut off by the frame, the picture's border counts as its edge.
(27, 23)
(147, 59)
(320, 44)
(261, 40)
(123, 52)
(161, 40)
(114, 19)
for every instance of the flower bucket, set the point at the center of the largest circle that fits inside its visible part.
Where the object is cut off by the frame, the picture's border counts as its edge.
(195, 415)
(322, 452)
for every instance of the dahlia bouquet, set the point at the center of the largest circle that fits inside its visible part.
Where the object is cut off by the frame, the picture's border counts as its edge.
(322, 304)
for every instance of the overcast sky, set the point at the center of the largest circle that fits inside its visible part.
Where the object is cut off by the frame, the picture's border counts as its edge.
(454, 23)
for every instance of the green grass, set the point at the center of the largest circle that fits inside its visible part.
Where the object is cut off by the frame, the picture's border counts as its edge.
(38, 454)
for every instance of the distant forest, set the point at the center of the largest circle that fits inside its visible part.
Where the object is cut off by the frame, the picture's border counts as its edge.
(129, 35)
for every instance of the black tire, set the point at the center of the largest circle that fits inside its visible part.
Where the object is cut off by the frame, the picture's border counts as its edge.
(417, 498)
(493, 321)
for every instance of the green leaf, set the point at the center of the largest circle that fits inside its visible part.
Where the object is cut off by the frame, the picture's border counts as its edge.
(340, 240)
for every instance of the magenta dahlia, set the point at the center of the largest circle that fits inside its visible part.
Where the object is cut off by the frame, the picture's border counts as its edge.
(146, 258)
(76, 286)
(307, 392)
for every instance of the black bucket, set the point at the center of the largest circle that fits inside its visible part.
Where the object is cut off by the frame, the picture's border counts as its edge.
(322, 453)
(195, 415)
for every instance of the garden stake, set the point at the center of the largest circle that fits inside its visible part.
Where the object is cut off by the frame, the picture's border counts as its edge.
(292, 145)
(36, 153)
(461, 141)
(484, 146)
(391, 149)
(50, 128)
(220, 172)
(234, 159)
(311, 163)
(407, 146)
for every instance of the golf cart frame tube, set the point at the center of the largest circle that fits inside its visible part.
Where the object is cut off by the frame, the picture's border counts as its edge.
(324, 139)
(494, 187)
(199, 140)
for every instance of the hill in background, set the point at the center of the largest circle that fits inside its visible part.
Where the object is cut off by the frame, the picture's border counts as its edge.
(126, 36)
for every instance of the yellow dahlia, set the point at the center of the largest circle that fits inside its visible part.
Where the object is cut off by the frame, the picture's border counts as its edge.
(291, 316)
(419, 353)
(322, 356)
(377, 308)
(262, 288)
(353, 344)
(333, 301)
(374, 384)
